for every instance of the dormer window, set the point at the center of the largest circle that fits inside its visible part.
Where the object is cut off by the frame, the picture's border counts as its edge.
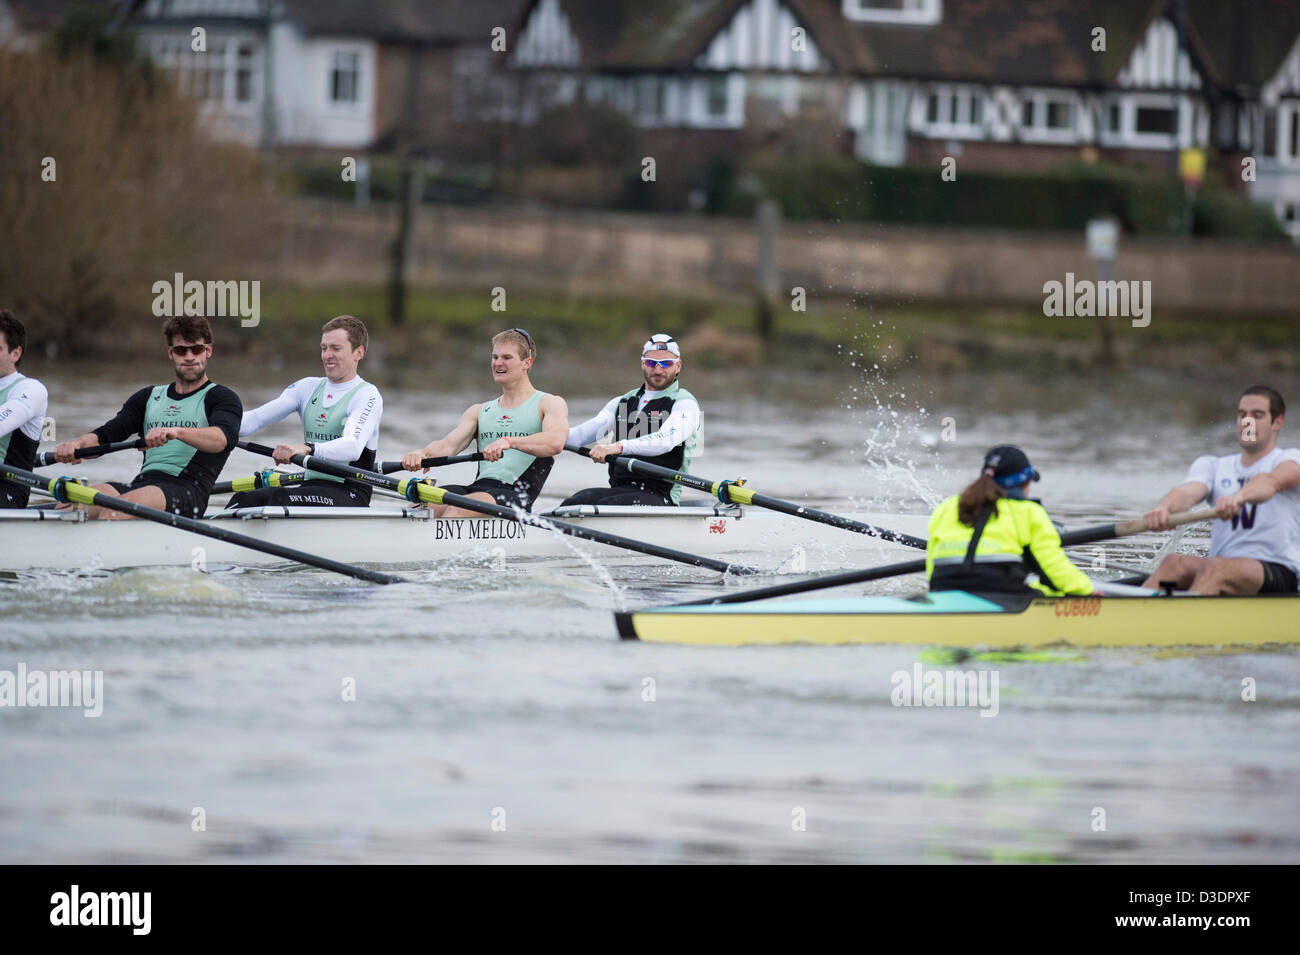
(923, 12)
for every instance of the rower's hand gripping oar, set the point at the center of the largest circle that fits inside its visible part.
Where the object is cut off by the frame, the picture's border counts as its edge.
(68, 490)
(271, 478)
(46, 458)
(388, 467)
(733, 492)
(1086, 535)
(426, 491)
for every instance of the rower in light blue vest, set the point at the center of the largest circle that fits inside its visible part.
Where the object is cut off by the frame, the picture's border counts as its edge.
(340, 421)
(518, 433)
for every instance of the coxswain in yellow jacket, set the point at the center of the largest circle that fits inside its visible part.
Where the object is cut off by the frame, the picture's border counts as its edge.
(991, 536)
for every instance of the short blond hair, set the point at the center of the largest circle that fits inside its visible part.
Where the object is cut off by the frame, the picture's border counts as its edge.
(519, 338)
(355, 327)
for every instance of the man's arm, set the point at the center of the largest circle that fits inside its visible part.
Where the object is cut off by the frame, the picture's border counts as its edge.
(1194, 490)
(27, 402)
(1259, 489)
(224, 411)
(545, 443)
(128, 421)
(278, 408)
(593, 429)
(455, 441)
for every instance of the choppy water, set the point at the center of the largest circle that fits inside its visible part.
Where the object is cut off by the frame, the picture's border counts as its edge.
(506, 697)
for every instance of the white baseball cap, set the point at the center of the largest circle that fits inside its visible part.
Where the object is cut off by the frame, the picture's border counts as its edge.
(661, 343)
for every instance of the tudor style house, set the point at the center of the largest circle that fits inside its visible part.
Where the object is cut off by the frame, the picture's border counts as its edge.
(1002, 83)
(999, 83)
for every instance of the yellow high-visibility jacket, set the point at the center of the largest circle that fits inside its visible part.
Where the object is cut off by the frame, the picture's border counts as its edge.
(1020, 530)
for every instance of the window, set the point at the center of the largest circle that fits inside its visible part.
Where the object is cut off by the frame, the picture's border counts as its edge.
(1048, 116)
(1295, 135)
(715, 103)
(1113, 118)
(1060, 115)
(1156, 121)
(953, 111)
(244, 73)
(345, 77)
(894, 11)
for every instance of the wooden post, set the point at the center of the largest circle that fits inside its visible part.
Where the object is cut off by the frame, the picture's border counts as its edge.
(768, 280)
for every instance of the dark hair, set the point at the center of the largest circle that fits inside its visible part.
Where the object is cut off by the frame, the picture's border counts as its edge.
(194, 328)
(980, 494)
(358, 337)
(14, 332)
(1276, 406)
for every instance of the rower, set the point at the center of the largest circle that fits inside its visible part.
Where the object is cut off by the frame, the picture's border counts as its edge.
(189, 427)
(1255, 541)
(340, 420)
(659, 423)
(519, 433)
(991, 535)
(23, 402)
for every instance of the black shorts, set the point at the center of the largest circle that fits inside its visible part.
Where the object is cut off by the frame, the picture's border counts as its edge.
(617, 497)
(1278, 578)
(307, 494)
(182, 497)
(12, 495)
(507, 495)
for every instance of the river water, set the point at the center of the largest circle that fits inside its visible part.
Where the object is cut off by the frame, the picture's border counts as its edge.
(497, 717)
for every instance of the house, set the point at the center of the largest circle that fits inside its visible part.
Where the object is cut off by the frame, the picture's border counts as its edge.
(1000, 83)
(319, 73)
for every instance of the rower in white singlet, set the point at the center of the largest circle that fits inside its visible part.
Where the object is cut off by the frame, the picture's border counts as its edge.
(1255, 542)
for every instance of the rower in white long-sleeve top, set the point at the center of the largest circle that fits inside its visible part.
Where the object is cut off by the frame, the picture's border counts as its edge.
(23, 402)
(340, 420)
(659, 422)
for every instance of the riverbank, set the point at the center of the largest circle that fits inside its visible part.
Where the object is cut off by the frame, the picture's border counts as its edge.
(451, 326)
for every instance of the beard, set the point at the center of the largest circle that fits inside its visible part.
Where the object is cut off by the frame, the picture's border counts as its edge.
(189, 375)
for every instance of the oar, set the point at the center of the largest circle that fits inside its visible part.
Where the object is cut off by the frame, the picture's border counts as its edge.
(46, 458)
(1087, 535)
(730, 492)
(282, 479)
(65, 490)
(388, 467)
(418, 490)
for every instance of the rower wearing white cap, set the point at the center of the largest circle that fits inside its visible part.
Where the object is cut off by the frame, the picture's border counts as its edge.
(659, 422)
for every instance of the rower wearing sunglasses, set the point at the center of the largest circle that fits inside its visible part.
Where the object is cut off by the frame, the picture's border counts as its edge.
(519, 433)
(189, 428)
(659, 422)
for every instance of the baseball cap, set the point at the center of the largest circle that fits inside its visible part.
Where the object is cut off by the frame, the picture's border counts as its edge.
(1009, 466)
(661, 343)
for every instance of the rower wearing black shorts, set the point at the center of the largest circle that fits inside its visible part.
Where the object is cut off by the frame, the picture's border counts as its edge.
(189, 427)
(519, 433)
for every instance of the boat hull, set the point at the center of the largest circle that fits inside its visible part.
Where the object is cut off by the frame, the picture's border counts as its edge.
(957, 619)
(43, 538)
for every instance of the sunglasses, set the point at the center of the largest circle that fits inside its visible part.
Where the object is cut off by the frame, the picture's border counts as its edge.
(532, 349)
(659, 362)
(184, 350)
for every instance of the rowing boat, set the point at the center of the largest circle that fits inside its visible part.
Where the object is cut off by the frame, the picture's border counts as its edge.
(46, 538)
(960, 619)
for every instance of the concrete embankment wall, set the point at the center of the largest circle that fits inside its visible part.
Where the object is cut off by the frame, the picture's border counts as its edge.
(603, 253)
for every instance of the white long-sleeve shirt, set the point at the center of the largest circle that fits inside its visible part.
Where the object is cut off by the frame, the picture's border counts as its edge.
(24, 409)
(681, 423)
(360, 430)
